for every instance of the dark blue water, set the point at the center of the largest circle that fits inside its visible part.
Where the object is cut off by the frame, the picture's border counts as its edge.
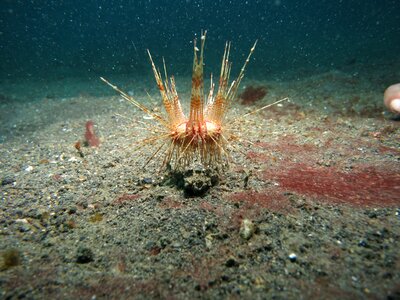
(68, 38)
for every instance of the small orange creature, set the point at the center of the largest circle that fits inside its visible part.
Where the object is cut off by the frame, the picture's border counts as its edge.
(91, 139)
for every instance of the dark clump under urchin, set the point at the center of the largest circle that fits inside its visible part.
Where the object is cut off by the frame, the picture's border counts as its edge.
(195, 181)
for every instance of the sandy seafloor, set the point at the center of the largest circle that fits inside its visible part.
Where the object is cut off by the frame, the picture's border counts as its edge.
(318, 190)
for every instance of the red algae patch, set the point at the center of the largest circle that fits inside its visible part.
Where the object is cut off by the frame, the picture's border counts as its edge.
(125, 198)
(384, 149)
(365, 186)
(320, 171)
(171, 203)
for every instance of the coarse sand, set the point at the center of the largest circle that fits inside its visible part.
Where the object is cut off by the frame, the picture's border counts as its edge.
(309, 207)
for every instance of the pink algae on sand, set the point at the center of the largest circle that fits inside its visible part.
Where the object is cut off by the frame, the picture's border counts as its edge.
(126, 198)
(365, 186)
(297, 169)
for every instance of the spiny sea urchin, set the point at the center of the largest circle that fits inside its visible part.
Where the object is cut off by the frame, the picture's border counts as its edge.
(201, 137)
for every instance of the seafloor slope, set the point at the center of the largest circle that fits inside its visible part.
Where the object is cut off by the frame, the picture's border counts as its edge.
(310, 209)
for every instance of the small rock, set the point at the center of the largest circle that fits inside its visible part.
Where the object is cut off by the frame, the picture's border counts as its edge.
(7, 180)
(24, 227)
(84, 255)
(28, 168)
(209, 241)
(292, 257)
(362, 243)
(176, 245)
(247, 229)
(372, 214)
(231, 262)
(147, 180)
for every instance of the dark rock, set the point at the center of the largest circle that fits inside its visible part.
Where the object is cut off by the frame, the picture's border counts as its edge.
(292, 257)
(11, 258)
(362, 243)
(7, 180)
(196, 182)
(231, 262)
(24, 227)
(84, 255)
(147, 180)
(225, 277)
(71, 209)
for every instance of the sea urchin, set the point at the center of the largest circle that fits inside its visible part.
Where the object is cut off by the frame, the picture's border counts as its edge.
(201, 137)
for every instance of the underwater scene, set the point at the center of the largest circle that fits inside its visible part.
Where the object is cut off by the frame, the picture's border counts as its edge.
(200, 149)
